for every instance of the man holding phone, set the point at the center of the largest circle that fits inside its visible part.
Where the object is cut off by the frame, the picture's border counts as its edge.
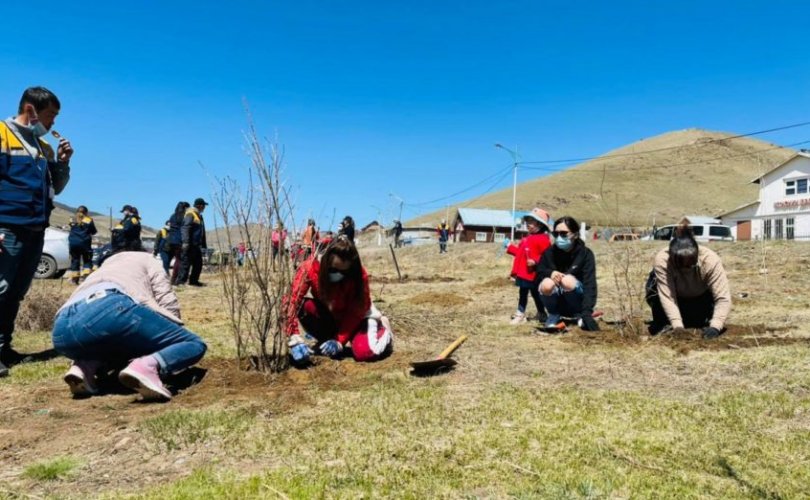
(30, 176)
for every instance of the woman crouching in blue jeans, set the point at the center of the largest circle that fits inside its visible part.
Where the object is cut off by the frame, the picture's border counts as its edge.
(125, 313)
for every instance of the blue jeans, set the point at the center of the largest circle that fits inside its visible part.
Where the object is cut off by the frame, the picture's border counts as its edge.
(19, 258)
(114, 329)
(562, 303)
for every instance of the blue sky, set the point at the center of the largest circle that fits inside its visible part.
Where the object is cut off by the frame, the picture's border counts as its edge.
(372, 98)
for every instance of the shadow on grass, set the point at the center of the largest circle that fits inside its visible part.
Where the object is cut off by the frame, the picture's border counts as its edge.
(108, 382)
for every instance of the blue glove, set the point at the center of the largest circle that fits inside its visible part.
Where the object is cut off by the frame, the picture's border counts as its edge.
(331, 348)
(300, 353)
(299, 350)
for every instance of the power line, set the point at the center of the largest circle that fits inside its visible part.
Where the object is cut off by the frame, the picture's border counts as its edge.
(669, 165)
(668, 148)
(564, 163)
(486, 179)
(494, 184)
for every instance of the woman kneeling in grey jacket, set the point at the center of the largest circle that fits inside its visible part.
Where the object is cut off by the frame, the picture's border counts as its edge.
(125, 312)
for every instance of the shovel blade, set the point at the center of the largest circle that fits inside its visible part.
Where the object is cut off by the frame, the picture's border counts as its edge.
(432, 367)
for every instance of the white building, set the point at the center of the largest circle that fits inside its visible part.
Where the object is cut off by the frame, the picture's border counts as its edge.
(783, 209)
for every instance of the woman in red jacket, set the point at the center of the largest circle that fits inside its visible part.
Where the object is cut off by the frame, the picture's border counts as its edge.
(340, 309)
(527, 254)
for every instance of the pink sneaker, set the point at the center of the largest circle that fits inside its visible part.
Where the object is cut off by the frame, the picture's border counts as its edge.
(142, 375)
(80, 378)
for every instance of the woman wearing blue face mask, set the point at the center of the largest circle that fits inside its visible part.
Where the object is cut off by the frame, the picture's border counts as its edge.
(339, 310)
(567, 275)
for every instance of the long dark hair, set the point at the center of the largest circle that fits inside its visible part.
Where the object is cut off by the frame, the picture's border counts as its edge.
(343, 248)
(180, 209)
(683, 249)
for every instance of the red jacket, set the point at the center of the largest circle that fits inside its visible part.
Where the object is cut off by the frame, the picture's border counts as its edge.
(348, 312)
(532, 247)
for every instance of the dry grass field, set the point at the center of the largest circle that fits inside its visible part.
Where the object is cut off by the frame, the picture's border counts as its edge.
(615, 414)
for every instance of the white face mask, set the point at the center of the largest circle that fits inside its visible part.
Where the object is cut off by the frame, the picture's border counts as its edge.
(336, 277)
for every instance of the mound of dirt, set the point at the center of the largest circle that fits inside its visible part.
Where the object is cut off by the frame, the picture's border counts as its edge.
(498, 282)
(685, 340)
(438, 299)
(414, 279)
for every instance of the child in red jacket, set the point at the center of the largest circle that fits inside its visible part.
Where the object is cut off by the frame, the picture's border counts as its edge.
(527, 254)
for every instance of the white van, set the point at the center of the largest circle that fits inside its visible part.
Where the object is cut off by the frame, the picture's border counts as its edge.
(702, 232)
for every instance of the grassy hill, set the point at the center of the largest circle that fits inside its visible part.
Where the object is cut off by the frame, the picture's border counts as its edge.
(689, 171)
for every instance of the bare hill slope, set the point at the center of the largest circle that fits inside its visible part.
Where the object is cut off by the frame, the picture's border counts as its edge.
(689, 171)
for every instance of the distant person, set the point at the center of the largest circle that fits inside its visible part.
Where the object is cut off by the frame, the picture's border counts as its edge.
(30, 176)
(347, 228)
(125, 314)
(567, 274)
(524, 267)
(688, 287)
(162, 247)
(192, 234)
(240, 253)
(443, 231)
(80, 244)
(309, 239)
(340, 309)
(397, 233)
(127, 233)
(175, 239)
(278, 240)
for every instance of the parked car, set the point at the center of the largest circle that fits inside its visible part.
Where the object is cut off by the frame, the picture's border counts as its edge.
(702, 232)
(100, 252)
(55, 259)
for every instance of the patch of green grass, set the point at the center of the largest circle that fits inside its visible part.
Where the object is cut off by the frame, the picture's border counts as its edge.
(181, 428)
(51, 470)
(38, 372)
(426, 439)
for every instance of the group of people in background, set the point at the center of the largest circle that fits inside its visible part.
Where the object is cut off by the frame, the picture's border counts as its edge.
(125, 317)
(687, 288)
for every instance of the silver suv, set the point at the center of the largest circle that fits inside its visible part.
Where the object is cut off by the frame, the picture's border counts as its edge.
(702, 232)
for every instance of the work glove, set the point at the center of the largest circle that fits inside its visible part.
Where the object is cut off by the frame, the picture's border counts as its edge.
(588, 324)
(299, 350)
(711, 332)
(331, 348)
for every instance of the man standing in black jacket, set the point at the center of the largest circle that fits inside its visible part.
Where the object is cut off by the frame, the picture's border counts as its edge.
(193, 243)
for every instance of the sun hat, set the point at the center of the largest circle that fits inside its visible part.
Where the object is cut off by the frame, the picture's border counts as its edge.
(539, 215)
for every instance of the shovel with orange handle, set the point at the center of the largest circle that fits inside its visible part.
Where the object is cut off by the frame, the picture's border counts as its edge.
(441, 363)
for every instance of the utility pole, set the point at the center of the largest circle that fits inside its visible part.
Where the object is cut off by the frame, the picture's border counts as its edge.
(379, 225)
(401, 203)
(515, 156)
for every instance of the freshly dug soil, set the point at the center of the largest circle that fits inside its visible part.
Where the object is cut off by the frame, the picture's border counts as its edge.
(686, 340)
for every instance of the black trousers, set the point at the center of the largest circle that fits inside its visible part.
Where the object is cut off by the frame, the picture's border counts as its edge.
(80, 256)
(696, 312)
(191, 265)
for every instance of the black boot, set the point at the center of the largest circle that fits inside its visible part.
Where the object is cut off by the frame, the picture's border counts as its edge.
(3, 370)
(10, 357)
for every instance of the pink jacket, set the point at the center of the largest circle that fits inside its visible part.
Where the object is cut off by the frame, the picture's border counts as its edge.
(277, 236)
(141, 278)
